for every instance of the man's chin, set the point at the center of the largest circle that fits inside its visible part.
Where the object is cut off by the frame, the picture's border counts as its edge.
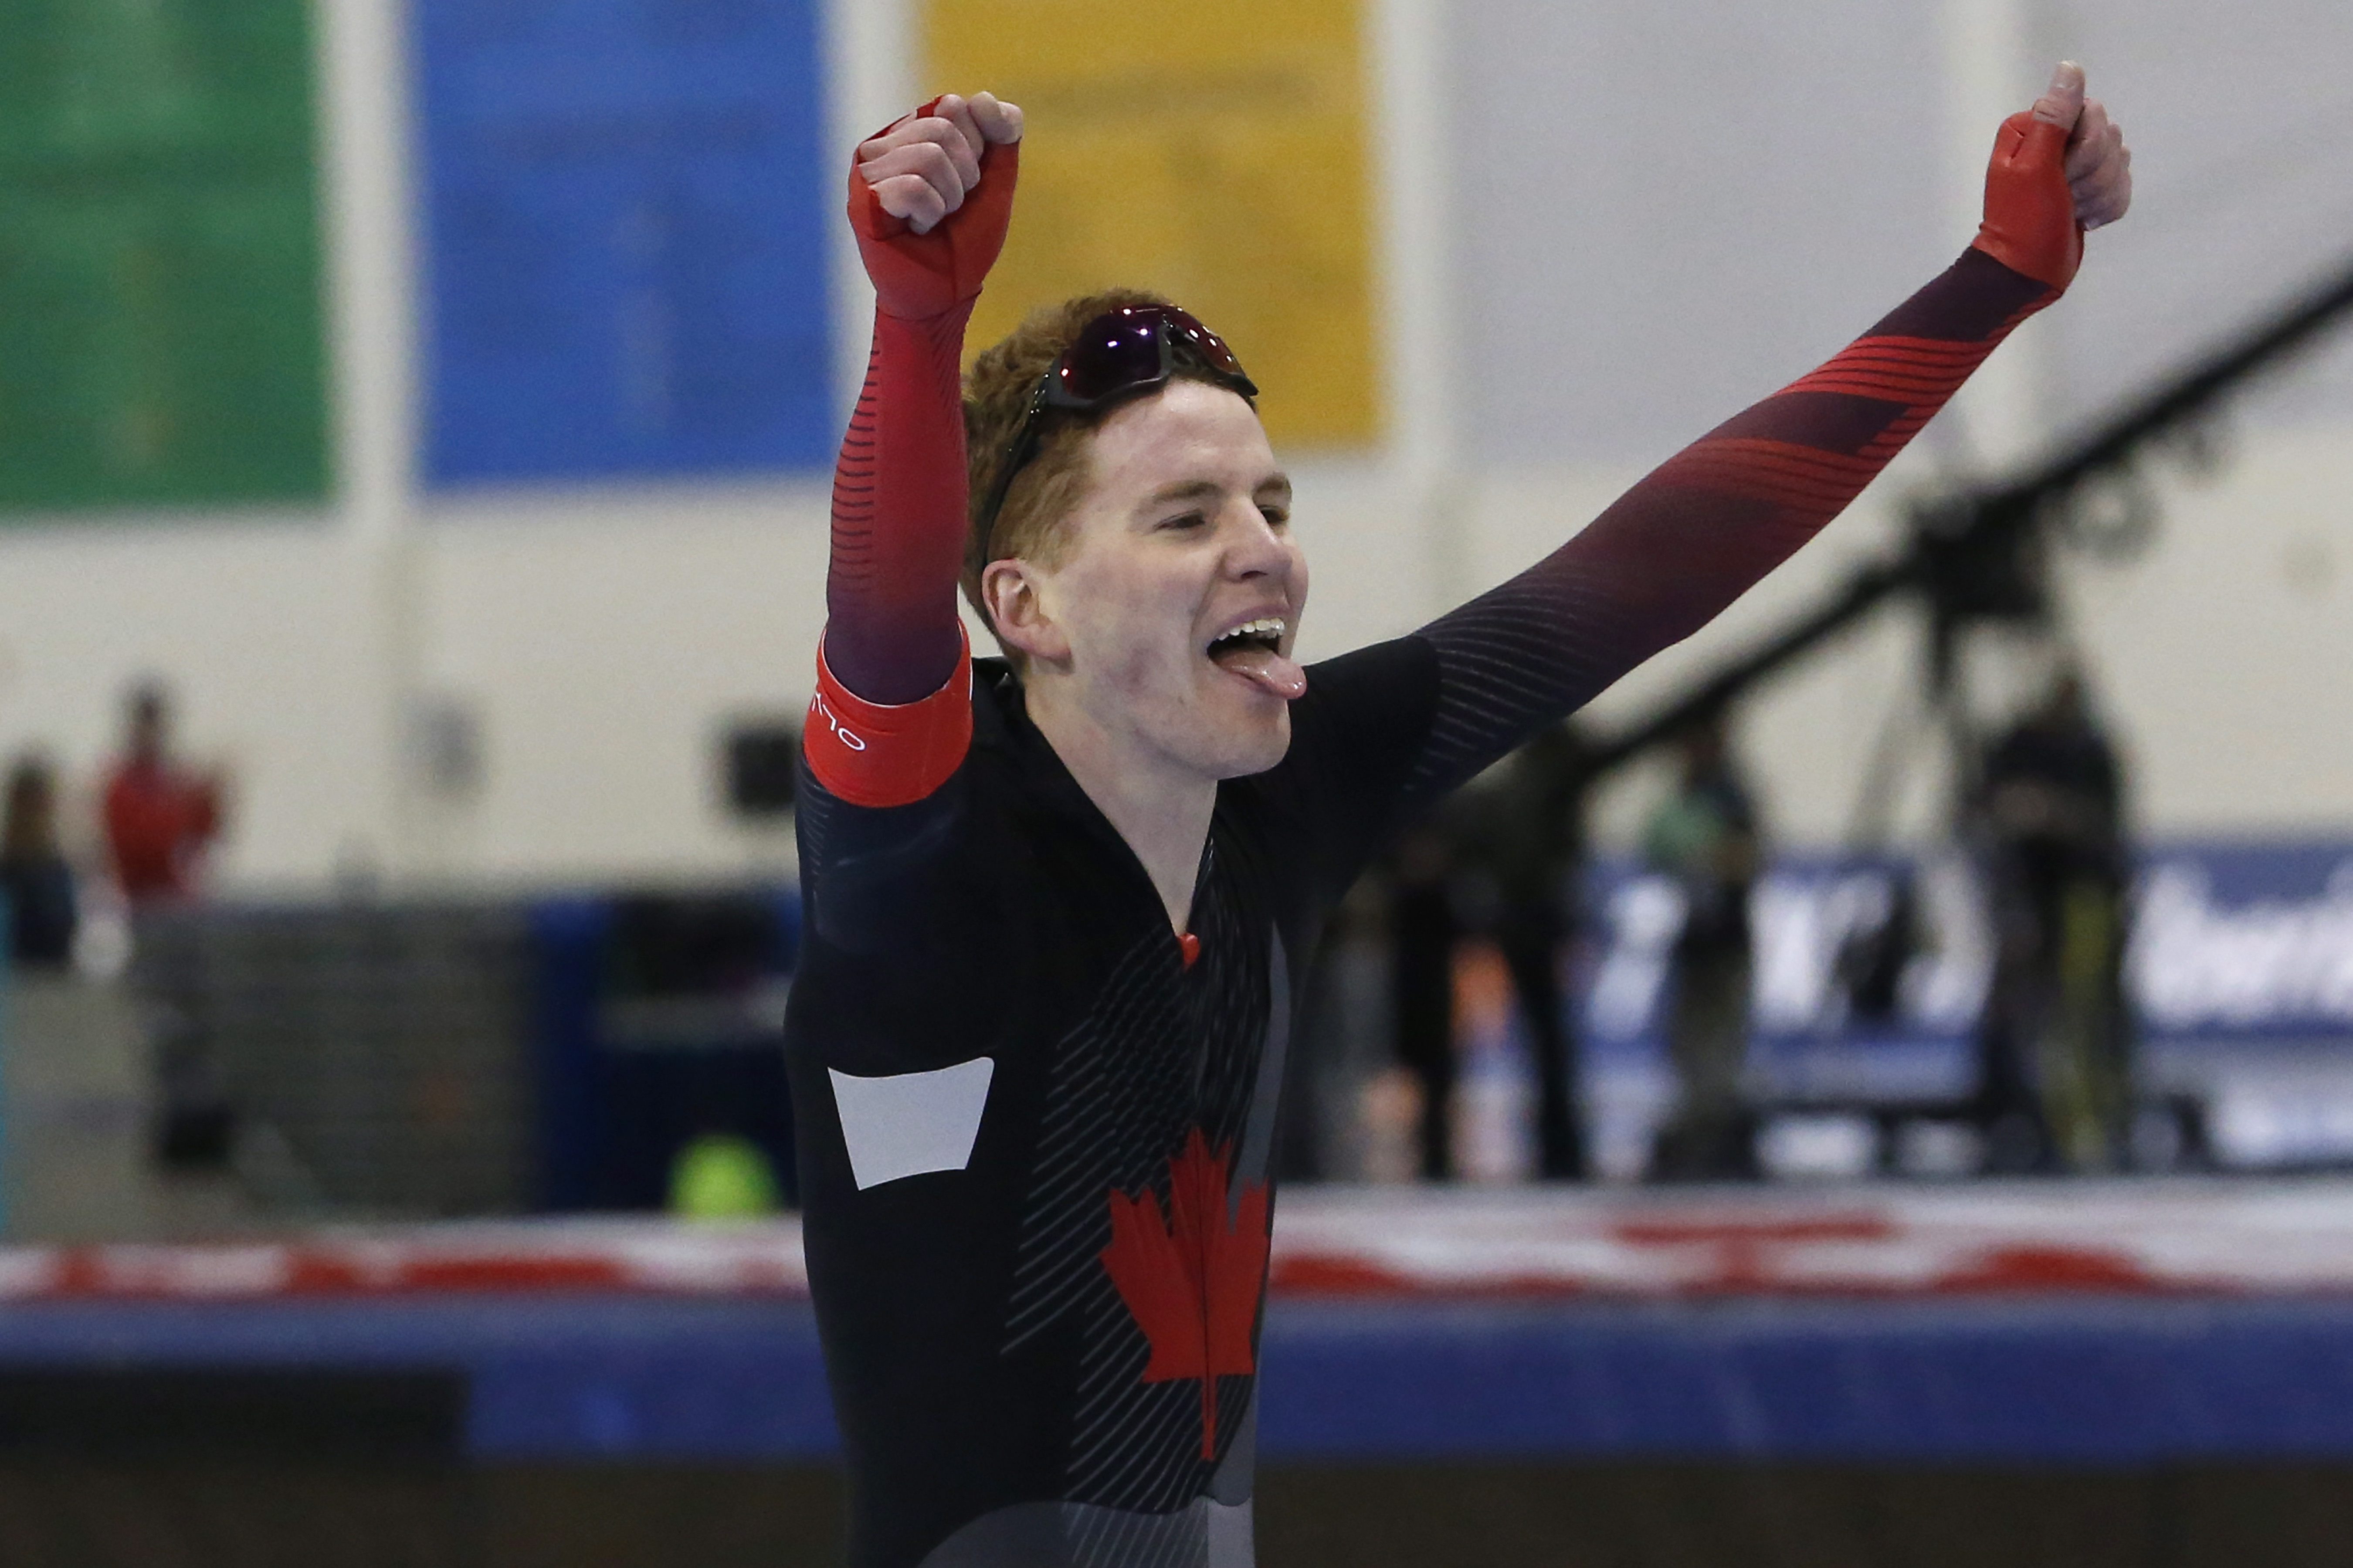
(1226, 731)
(1256, 752)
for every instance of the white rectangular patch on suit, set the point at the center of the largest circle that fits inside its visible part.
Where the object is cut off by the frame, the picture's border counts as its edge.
(912, 1122)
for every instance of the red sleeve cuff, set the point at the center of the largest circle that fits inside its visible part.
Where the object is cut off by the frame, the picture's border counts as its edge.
(874, 754)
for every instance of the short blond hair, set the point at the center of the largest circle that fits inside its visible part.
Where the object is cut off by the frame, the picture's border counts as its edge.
(996, 392)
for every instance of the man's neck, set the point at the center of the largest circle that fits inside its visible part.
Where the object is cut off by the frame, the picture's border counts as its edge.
(1162, 811)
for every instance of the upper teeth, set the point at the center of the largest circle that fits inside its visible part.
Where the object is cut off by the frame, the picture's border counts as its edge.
(1271, 626)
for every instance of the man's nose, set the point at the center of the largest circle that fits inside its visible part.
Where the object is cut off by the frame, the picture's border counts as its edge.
(1253, 547)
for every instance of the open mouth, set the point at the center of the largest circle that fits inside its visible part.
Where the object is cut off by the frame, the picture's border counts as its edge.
(1253, 652)
(1259, 636)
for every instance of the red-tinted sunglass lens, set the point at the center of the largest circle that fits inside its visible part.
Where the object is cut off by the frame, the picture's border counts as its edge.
(1207, 344)
(1115, 353)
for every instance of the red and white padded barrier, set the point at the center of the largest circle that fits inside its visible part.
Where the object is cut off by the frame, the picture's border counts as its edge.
(2219, 1239)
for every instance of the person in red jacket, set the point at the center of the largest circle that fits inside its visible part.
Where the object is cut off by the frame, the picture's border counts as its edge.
(1058, 903)
(160, 816)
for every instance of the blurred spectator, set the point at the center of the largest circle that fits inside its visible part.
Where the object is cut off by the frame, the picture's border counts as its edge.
(2054, 1084)
(1532, 840)
(1341, 1048)
(1704, 836)
(159, 815)
(42, 914)
(1422, 932)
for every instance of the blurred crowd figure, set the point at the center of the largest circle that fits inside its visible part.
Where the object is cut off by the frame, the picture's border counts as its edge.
(1423, 926)
(1505, 864)
(43, 908)
(2054, 1048)
(1505, 867)
(1704, 836)
(160, 816)
(156, 819)
(1535, 849)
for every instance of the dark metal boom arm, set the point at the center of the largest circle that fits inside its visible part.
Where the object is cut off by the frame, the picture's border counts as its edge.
(1992, 517)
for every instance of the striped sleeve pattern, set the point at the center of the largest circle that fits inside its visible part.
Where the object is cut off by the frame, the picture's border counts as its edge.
(1678, 547)
(893, 634)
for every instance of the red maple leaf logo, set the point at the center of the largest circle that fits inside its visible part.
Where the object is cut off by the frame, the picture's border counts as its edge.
(1192, 1283)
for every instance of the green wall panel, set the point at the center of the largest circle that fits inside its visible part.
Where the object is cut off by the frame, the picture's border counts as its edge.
(159, 325)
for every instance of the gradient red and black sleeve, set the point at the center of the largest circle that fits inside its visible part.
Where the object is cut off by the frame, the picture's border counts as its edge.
(1678, 547)
(891, 718)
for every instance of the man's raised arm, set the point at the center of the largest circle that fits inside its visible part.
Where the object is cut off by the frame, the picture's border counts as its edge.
(929, 200)
(1678, 547)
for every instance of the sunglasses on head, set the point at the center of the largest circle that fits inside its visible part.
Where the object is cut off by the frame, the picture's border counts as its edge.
(1120, 353)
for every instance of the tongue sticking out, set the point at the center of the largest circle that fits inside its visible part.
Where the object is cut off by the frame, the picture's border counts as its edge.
(1268, 668)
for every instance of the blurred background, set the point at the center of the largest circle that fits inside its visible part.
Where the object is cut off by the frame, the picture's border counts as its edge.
(1875, 1088)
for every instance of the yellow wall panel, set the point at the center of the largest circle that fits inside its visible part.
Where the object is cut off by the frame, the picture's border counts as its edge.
(1213, 150)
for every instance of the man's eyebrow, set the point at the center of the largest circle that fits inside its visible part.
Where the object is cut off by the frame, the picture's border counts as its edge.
(1184, 490)
(1208, 489)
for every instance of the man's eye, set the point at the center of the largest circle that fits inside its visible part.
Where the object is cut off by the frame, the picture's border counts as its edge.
(1276, 516)
(1190, 519)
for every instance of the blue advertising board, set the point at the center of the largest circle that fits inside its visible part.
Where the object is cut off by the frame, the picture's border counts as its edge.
(2239, 971)
(624, 211)
(2245, 942)
(2233, 941)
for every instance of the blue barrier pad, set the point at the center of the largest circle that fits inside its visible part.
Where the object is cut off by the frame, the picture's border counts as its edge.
(2099, 1381)
(582, 1377)
(2093, 1381)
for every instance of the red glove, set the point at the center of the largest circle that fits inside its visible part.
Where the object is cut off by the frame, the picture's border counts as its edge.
(918, 275)
(2029, 224)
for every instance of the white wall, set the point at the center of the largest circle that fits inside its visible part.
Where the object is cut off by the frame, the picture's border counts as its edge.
(604, 637)
(264, 628)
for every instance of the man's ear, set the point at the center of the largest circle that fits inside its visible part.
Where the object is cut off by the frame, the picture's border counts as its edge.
(1014, 591)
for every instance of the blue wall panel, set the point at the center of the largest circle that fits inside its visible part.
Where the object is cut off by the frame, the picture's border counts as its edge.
(626, 205)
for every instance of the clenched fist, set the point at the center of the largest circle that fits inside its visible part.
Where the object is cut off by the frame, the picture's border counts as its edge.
(930, 200)
(2058, 168)
(924, 167)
